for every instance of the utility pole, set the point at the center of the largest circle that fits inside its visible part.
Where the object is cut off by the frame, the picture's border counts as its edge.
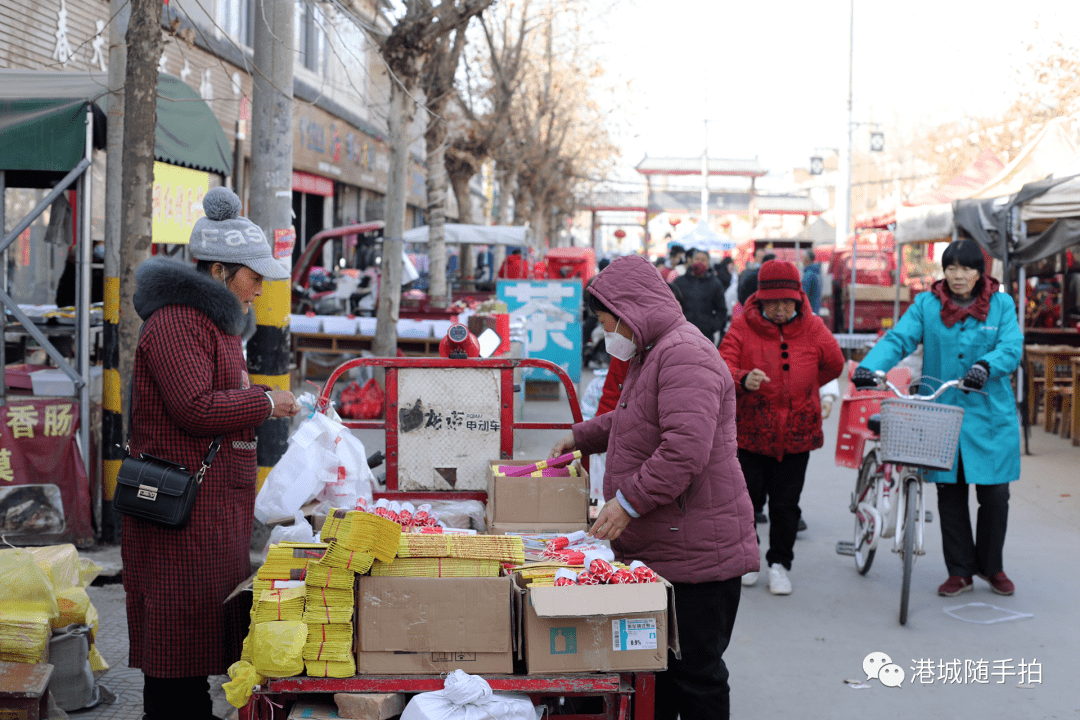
(843, 222)
(112, 412)
(271, 209)
(144, 45)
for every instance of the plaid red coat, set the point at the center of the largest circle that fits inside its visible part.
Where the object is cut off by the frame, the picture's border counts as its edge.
(190, 384)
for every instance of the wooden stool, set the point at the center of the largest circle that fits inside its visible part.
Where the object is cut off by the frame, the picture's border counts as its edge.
(23, 693)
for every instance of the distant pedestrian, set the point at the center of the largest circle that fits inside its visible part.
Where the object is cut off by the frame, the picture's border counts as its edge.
(748, 278)
(811, 280)
(701, 297)
(676, 264)
(779, 355)
(514, 267)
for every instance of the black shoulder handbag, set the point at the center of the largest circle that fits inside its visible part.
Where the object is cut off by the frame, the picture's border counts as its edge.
(159, 491)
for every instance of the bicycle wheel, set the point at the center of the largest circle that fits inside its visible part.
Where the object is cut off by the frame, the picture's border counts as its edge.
(911, 509)
(867, 517)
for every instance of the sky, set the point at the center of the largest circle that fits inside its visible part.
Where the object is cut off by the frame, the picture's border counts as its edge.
(771, 76)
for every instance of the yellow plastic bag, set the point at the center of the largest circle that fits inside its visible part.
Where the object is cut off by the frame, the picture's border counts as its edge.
(97, 663)
(60, 563)
(279, 648)
(74, 604)
(244, 679)
(24, 586)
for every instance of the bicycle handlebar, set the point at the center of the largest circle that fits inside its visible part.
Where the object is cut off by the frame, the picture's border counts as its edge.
(883, 380)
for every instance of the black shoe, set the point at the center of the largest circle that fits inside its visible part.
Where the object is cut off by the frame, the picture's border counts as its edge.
(802, 525)
(759, 518)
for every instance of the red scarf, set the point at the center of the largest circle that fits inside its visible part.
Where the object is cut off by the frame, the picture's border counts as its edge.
(951, 313)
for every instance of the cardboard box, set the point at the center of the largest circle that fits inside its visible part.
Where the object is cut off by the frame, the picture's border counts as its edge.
(597, 628)
(429, 626)
(876, 292)
(536, 504)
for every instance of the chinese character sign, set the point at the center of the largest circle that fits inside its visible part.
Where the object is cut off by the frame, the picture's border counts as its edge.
(44, 491)
(551, 310)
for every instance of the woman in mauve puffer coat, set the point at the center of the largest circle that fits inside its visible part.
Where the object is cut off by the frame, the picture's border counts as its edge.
(676, 498)
(780, 355)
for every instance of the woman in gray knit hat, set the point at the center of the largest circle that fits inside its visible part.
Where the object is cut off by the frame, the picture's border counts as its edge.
(190, 384)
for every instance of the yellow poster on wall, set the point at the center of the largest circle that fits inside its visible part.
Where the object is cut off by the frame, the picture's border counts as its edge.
(178, 196)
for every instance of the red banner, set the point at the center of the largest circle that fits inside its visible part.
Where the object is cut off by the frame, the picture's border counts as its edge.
(44, 491)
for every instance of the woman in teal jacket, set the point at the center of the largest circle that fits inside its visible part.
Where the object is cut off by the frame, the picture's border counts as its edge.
(968, 330)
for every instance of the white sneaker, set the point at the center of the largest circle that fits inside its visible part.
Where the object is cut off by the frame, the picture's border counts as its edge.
(779, 584)
(750, 579)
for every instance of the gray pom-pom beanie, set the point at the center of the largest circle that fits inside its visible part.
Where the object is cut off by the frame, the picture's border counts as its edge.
(222, 235)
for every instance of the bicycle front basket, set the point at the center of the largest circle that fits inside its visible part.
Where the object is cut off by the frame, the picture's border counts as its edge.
(916, 432)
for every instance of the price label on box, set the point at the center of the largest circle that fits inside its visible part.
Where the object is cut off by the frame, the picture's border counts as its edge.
(633, 634)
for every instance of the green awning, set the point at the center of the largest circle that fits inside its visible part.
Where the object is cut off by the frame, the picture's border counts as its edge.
(43, 122)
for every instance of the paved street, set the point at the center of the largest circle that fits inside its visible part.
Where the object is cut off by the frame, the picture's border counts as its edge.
(790, 655)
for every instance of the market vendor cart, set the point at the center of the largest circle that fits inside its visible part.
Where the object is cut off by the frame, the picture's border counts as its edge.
(422, 429)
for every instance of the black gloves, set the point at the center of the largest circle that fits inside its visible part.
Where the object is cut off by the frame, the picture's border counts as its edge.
(977, 376)
(864, 378)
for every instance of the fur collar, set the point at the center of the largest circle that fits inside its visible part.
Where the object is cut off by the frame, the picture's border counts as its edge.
(163, 281)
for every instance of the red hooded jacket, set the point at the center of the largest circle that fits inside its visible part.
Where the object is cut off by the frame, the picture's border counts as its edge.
(783, 416)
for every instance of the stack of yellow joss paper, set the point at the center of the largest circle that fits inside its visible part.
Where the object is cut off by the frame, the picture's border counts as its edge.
(289, 561)
(437, 567)
(452, 555)
(279, 605)
(328, 651)
(501, 548)
(356, 539)
(24, 636)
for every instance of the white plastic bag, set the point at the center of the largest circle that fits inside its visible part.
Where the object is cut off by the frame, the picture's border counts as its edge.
(300, 532)
(324, 460)
(469, 697)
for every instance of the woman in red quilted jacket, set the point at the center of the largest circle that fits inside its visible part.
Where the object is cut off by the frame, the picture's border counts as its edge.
(780, 354)
(675, 495)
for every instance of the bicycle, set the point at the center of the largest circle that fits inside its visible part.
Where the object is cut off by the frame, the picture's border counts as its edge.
(911, 436)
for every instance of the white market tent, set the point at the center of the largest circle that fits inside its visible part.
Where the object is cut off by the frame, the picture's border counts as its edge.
(702, 238)
(1040, 159)
(474, 234)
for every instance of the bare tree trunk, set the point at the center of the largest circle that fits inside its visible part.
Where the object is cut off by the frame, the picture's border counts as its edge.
(402, 111)
(460, 182)
(144, 45)
(505, 178)
(436, 210)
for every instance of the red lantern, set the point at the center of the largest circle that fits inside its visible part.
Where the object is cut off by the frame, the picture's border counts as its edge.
(620, 233)
(675, 221)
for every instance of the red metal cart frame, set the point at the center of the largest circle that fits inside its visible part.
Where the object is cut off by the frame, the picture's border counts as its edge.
(627, 696)
(507, 425)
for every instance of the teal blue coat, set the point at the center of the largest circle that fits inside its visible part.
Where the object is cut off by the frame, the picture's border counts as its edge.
(990, 434)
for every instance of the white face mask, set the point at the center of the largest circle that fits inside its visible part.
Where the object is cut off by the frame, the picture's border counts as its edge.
(619, 346)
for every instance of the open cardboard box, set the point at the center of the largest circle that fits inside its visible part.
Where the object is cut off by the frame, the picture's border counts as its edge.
(597, 628)
(409, 626)
(536, 504)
